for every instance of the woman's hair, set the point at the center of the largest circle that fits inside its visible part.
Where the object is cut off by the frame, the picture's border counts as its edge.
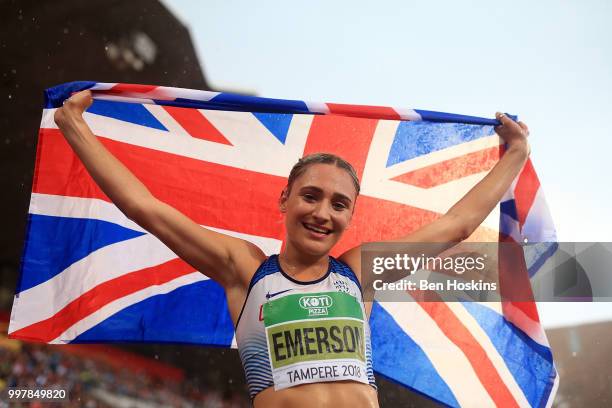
(321, 158)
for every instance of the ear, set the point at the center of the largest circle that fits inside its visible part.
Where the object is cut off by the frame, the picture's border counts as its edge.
(282, 201)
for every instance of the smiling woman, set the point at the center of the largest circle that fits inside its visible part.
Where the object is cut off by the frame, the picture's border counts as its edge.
(317, 332)
(318, 203)
(301, 321)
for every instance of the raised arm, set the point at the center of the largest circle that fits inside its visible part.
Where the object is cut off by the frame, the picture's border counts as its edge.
(467, 214)
(470, 211)
(221, 257)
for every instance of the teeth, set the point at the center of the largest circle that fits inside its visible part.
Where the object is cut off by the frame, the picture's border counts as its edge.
(310, 227)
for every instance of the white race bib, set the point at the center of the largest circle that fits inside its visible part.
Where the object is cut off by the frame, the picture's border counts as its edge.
(315, 337)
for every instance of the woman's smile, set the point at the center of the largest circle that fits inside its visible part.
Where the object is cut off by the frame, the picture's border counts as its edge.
(317, 231)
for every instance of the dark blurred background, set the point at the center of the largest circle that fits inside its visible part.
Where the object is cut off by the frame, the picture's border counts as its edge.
(46, 43)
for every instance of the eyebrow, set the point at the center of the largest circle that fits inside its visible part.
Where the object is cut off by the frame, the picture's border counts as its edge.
(318, 190)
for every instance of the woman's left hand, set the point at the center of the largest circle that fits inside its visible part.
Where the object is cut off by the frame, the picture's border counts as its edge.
(514, 133)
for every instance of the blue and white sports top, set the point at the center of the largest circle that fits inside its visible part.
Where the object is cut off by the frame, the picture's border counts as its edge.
(291, 332)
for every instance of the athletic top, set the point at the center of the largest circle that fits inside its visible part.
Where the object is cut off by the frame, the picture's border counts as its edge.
(291, 332)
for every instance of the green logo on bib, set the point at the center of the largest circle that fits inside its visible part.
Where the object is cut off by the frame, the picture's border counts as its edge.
(316, 305)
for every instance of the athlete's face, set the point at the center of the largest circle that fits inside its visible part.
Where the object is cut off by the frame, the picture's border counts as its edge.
(318, 208)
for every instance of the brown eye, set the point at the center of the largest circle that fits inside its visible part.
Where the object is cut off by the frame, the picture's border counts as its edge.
(340, 206)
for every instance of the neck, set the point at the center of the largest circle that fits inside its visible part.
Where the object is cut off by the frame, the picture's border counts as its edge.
(296, 262)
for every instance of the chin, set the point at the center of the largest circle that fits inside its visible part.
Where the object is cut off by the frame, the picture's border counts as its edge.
(314, 248)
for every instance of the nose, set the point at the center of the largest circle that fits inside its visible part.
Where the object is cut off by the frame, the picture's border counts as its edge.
(321, 211)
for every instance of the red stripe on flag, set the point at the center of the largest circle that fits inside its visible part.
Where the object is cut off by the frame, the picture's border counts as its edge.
(100, 296)
(452, 169)
(210, 194)
(484, 369)
(363, 111)
(525, 191)
(196, 124)
(514, 284)
(130, 88)
(348, 138)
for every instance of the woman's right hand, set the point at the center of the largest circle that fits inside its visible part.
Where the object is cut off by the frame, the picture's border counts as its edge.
(73, 107)
(515, 134)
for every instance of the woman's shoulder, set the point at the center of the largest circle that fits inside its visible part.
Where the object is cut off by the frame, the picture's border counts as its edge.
(247, 258)
(352, 260)
(342, 268)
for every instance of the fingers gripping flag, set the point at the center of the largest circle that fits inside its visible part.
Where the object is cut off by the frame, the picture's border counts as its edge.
(89, 274)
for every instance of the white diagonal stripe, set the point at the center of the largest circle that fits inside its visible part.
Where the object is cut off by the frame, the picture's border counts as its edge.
(103, 86)
(79, 207)
(317, 107)
(122, 98)
(166, 92)
(167, 120)
(408, 114)
(553, 391)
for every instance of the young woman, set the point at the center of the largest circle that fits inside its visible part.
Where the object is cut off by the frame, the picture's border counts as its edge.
(290, 355)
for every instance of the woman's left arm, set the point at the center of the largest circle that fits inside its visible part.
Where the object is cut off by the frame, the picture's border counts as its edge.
(469, 212)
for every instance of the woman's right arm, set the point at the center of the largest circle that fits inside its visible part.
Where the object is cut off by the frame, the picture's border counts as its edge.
(225, 259)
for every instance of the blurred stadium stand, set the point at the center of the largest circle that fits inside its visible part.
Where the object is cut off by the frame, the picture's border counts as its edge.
(105, 376)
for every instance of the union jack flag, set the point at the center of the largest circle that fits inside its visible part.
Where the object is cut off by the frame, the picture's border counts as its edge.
(90, 274)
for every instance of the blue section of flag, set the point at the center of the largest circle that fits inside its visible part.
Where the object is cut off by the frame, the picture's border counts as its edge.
(256, 104)
(414, 139)
(396, 356)
(433, 116)
(127, 112)
(277, 124)
(508, 207)
(508, 225)
(55, 96)
(529, 362)
(187, 103)
(239, 103)
(190, 319)
(54, 243)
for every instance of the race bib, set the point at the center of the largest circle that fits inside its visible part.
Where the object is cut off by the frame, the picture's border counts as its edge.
(315, 337)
